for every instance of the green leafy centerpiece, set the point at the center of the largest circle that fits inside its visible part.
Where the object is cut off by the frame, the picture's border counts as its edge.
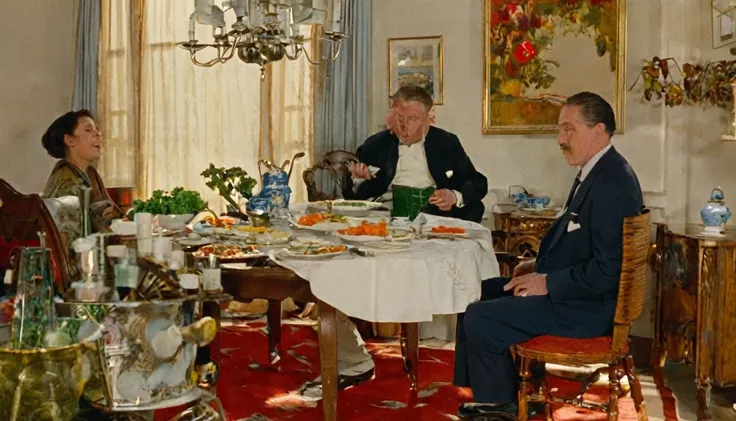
(175, 209)
(233, 184)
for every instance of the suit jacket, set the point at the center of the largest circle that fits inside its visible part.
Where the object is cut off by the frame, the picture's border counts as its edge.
(583, 264)
(444, 153)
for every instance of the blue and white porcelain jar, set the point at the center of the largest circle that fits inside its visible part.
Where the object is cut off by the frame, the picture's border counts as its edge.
(715, 213)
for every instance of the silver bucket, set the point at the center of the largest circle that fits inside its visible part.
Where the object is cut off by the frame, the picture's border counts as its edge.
(146, 366)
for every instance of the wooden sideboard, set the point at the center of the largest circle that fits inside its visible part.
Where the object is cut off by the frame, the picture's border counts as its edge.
(695, 307)
(519, 234)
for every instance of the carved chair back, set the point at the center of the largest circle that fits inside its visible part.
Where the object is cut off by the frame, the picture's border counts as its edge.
(22, 216)
(329, 179)
(633, 278)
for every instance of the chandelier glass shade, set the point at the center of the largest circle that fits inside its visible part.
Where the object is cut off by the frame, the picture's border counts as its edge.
(265, 31)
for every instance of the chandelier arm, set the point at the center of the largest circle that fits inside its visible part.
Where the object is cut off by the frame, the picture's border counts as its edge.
(204, 64)
(231, 53)
(332, 57)
(297, 51)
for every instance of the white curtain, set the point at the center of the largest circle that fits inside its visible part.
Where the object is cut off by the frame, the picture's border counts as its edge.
(116, 98)
(189, 117)
(290, 127)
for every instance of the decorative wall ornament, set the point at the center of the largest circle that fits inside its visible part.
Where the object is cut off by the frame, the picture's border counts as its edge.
(712, 83)
(708, 83)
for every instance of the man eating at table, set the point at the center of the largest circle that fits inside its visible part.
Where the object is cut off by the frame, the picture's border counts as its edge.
(425, 168)
(571, 289)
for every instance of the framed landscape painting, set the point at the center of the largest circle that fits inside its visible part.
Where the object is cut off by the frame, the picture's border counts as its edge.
(539, 52)
(416, 61)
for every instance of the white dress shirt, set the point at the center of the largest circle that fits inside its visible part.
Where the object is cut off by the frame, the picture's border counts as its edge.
(412, 170)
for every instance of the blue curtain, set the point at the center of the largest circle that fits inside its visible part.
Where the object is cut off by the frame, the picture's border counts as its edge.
(341, 111)
(88, 40)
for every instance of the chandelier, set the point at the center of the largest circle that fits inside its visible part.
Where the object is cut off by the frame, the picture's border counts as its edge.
(265, 30)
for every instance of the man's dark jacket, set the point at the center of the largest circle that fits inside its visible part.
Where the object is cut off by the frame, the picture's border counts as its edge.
(448, 164)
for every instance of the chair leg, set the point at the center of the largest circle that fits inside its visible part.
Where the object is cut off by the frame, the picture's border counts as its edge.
(614, 390)
(544, 394)
(641, 407)
(525, 375)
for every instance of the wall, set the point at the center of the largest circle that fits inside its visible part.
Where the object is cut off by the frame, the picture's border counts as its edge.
(676, 153)
(38, 81)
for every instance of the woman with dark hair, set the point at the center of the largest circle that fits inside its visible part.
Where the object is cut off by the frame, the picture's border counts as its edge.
(75, 141)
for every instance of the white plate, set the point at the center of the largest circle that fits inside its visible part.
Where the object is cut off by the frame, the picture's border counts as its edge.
(324, 226)
(326, 256)
(347, 205)
(384, 247)
(428, 231)
(398, 235)
(188, 242)
(241, 256)
(166, 233)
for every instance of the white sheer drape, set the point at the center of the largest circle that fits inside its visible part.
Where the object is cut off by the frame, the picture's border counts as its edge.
(189, 117)
(192, 116)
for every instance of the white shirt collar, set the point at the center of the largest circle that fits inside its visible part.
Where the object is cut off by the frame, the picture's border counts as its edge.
(421, 142)
(585, 170)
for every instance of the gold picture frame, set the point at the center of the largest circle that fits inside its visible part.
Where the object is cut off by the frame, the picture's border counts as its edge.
(521, 75)
(417, 60)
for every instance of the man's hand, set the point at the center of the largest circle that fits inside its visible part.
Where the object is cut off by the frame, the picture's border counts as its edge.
(530, 285)
(359, 171)
(444, 199)
(523, 268)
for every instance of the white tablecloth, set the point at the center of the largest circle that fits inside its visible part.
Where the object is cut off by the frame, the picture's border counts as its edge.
(436, 276)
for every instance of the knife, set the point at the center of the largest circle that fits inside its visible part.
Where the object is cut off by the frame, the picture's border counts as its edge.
(362, 253)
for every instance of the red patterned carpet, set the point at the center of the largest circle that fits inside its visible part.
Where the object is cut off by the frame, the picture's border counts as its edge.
(252, 390)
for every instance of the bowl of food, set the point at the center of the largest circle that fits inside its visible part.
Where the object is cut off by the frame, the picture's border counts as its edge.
(174, 209)
(174, 222)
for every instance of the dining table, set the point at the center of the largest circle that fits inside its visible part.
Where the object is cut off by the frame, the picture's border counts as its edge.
(420, 269)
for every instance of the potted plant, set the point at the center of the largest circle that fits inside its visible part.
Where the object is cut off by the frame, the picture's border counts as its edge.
(233, 184)
(174, 209)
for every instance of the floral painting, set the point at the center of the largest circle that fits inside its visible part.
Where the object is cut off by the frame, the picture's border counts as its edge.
(539, 52)
(416, 61)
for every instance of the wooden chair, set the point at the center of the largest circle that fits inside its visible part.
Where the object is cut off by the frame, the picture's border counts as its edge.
(612, 351)
(329, 179)
(22, 216)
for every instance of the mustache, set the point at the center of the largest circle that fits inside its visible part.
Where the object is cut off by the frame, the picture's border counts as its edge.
(565, 147)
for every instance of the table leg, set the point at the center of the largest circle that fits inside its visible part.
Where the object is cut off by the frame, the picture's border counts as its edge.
(212, 309)
(328, 359)
(274, 330)
(703, 387)
(410, 352)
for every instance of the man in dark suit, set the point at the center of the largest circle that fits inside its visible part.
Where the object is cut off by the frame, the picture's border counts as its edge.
(416, 157)
(571, 289)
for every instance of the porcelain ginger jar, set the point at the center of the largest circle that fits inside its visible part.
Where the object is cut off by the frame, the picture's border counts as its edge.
(715, 213)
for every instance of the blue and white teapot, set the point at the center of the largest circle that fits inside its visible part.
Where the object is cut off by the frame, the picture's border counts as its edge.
(275, 192)
(715, 213)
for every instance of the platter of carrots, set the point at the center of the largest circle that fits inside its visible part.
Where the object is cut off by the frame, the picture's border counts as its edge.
(368, 231)
(447, 232)
(322, 221)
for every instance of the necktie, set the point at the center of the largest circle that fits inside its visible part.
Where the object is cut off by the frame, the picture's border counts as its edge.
(573, 190)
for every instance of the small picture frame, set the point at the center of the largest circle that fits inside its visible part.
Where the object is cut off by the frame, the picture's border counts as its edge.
(416, 61)
(723, 23)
